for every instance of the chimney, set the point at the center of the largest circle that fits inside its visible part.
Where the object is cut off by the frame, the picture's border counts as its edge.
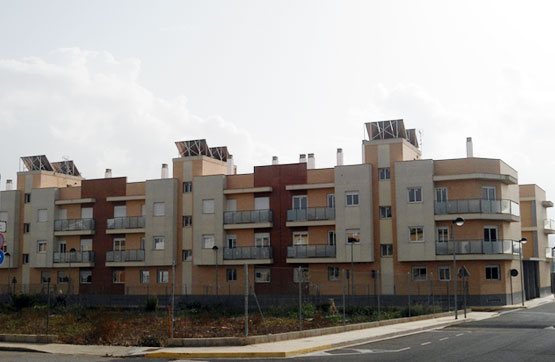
(339, 157)
(469, 148)
(275, 160)
(311, 162)
(108, 173)
(230, 165)
(9, 185)
(302, 158)
(165, 171)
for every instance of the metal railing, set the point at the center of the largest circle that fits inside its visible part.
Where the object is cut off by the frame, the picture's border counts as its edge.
(484, 247)
(247, 217)
(549, 224)
(311, 214)
(477, 206)
(74, 224)
(74, 257)
(130, 222)
(311, 251)
(125, 255)
(248, 252)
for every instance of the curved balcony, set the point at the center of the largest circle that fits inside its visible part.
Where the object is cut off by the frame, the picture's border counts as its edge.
(311, 251)
(312, 216)
(125, 225)
(248, 219)
(478, 247)
(74, 227)
(478, 209)
(77, 258)
(122, 256)
(248, 252)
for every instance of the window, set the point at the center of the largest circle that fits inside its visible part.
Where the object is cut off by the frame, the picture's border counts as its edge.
(416, 233)
(231, 241)
(384, 173)
(85, 276)
(441, 194)
(86, 244)
(351, 198)
(62, 246)
(262, 203)
(45, 277)
(333, 273)
(261, 239)
(444, 273)
(62, 214)
(300, 202)
(331, 201)
(163, 276)
(353, 236)
(208, 241)
(187, 186)
(387, 249)
(26, 227)
(331, 237)
(41, 246)
(143, 210)
(86, 213)
(304, 275)
(120, 211)
(145, 276)
(415, 194)
(490, 233)
(119, 244)
(159, 243)
(261, 275)
(493, 272)
(442, 234)
(62, 277)
(231, 205)
(187, 221)
(42, 215)
(207, 206)
(385, 212)
(118, 277)
(300, 238)
(142, 243)
(159, 209)
(488, 192)
(25, 259)
(419, 273)
(187, 255)
(27, 198)
(231, 275)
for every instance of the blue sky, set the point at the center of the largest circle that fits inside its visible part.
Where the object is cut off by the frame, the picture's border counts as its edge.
(112, 84)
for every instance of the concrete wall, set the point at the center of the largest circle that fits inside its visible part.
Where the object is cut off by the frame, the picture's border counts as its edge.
(41, 199)
(9, 202)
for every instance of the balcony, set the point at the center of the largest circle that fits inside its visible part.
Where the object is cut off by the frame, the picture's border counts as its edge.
(479, 247)
(248, 252)
(311, 217)
(549, 226)
(478, 209)
(78, 258)
(74, 227)
(125, 225)
(248, 219)
(124, 256)
(310, 251)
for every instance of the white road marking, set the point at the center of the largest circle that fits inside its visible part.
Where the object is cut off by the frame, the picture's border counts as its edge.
(444, 338)
(425, 343)
(359, 351)
(550, 327)
(460, 334)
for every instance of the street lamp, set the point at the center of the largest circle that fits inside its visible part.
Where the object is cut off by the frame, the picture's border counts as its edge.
(459, 221)
(215, 248)
(522, 242)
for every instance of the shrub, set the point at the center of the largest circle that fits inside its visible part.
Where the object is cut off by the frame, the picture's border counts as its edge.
(20, 301)
(151, 303)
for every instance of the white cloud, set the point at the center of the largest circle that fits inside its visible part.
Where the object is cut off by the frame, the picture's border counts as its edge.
(90, 106)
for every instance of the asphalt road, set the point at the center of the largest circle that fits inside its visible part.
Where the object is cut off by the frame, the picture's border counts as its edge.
(523, 335)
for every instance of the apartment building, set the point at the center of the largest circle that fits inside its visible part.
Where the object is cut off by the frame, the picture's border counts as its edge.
(389, 217)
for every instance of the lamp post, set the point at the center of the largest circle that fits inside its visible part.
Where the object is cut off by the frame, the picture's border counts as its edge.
(215, 248)
(522, 242)
(7, 254)
(459, 221)
(352, 276)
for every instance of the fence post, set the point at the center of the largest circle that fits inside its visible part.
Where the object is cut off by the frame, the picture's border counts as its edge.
(378, 292)
(431, 288)
(299, 280)
(408, 290)
(343, 293)
(48, 310)
(246, 300)
(448, 297)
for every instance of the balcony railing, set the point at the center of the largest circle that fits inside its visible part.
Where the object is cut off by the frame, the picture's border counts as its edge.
(125, 255)
(74, 225)
(477, 206)
(248, 252)
(311, 214)
(549, 224)
(131, 222)
(483, 247)
(311, 251)
(74, 257)
(247, 217)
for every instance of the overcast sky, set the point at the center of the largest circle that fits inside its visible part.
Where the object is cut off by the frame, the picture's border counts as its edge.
(113, 84)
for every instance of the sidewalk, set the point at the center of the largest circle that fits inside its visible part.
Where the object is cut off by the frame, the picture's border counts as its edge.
(286, 348)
